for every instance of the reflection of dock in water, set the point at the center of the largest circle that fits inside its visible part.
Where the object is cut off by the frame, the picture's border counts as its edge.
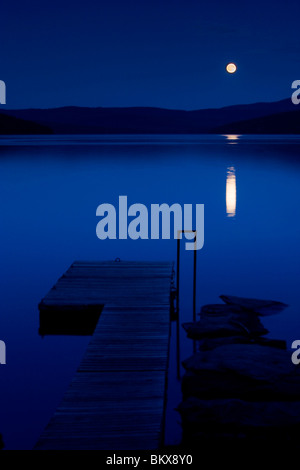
(117, 398)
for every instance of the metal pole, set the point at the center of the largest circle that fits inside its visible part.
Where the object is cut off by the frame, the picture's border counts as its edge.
(194, 282)
(194, 289)
(177, 274)
(177, 310)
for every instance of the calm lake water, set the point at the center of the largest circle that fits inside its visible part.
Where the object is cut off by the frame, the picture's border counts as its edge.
(49, 191)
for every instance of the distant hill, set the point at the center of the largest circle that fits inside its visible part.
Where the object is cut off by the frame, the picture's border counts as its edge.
(142, 120)
(10, 125)
(279, 123)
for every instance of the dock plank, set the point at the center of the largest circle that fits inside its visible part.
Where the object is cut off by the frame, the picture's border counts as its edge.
(116, 400)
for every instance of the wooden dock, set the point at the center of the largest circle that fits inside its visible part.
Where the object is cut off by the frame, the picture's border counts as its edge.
(116, 400)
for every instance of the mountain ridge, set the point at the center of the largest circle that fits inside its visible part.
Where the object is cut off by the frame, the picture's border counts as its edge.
(153, 120)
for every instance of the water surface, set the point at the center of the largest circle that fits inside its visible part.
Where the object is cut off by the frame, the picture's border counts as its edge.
(50, 188)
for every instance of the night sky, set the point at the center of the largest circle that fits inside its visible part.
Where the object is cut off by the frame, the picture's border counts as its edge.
(164, 53)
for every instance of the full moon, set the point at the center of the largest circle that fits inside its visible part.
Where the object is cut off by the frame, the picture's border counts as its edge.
(231, 68)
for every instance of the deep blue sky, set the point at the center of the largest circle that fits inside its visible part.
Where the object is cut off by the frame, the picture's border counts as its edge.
(165, 53)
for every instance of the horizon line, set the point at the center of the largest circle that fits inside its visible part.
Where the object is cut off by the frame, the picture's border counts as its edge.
(141, 107)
